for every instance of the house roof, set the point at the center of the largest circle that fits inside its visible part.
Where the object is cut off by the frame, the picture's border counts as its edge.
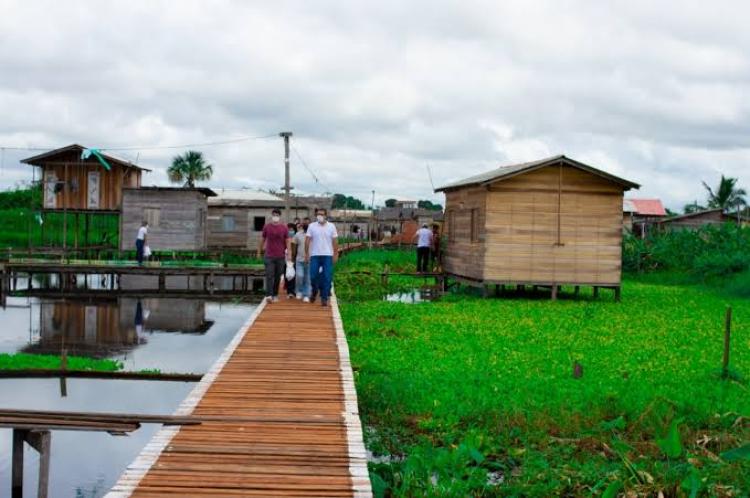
(396, 213)
(40, 159)
(203, 190)
(509, 171)
(647, 207)
(245, 197)
(695, 214)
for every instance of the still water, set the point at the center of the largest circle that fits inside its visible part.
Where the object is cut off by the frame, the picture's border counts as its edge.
(173, 335)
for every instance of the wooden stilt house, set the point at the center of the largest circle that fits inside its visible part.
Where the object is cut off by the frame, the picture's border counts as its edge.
(81, 183)
(550, 222)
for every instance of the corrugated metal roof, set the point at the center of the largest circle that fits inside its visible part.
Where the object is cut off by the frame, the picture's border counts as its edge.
(511, 170)
(246, 195)
(648, 207)
(39, 159)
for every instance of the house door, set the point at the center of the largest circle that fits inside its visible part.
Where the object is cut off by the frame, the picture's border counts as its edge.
(93, 190)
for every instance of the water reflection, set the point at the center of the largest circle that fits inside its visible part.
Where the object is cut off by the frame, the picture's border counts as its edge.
(170, 334)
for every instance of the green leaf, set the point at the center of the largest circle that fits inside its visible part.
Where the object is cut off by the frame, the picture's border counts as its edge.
(379, 486)
(618, 423)
(692, 483)
(671, 444)
(612, 490)
(741, 453)
(477, 456)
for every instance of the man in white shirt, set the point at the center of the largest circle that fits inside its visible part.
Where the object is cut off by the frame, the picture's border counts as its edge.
(322, 251)
(140, 242)
(424, 243)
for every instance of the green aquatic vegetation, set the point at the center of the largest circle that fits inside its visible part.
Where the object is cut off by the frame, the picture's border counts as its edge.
(476, 397)
(25, 361)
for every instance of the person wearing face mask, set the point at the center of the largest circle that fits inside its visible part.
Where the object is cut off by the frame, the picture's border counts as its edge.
(322, 252)
(301, 266)
(277, 248)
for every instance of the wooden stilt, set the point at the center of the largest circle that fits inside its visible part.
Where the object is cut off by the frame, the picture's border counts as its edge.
(617, 293)
(596, 291)
(17, 470)
(554, 292)
(162, 282)
(497, 290)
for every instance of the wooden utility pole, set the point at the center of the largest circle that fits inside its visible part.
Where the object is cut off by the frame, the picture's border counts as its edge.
(287, 187)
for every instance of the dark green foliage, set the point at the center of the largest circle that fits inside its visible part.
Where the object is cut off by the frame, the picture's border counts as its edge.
(426, 204)
(21, 226)
(727, 194)
(713, 251)
(390, 203)
(188, 168)
(23, 198)
(462, 393)
(341, 201)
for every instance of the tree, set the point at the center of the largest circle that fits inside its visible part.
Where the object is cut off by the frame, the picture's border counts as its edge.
(390, 203)
(189, 168)
(427, 204)
(727, 196)
(693, 207)
(341, 201)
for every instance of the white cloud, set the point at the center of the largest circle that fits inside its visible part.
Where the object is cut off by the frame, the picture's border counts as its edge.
(375, 91)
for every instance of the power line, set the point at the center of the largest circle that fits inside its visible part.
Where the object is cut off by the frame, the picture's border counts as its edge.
(309, 170)
(158, 147)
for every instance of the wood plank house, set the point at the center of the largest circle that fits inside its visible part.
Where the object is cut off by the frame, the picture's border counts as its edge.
(176, 217)
(550, 222)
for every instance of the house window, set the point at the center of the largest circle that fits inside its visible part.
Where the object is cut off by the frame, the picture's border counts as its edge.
(474, 225)
(227, 223)
(258, 222)
(452, 226)
(152, 216)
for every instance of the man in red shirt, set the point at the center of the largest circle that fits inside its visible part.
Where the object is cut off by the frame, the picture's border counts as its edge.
(276, 244)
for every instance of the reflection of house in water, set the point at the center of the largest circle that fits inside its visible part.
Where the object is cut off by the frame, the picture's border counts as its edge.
(104, 327)
(91, 328)
(167, 315)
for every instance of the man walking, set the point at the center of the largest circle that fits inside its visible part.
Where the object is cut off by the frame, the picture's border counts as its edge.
(322, 251)
(302, 267)
(140, 242)
(424, 243)
(275, 243)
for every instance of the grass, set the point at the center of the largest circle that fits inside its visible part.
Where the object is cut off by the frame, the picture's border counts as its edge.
(25, 361)
(476, 397)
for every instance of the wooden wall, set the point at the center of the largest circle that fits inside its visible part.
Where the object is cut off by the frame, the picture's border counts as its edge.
(463, 256)
(76, 194)
(553, 225)
(244, 236)
(696, 221)
(177, 218)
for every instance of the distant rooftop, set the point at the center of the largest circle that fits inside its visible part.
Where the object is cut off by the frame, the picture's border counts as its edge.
(245, 195)
(644, 207)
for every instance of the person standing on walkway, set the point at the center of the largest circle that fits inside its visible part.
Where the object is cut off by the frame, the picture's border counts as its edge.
(275, 244)
(424, 244)
(302, 267)
(140, 242)
(322, 251)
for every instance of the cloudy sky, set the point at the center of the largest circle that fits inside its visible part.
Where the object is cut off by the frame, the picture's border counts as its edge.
(657, 92)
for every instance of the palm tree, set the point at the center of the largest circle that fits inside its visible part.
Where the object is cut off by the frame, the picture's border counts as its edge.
(727, 196)
(189, 168)
(693, 207)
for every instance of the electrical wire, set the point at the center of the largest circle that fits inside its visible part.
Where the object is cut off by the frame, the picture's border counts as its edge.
(309, 170)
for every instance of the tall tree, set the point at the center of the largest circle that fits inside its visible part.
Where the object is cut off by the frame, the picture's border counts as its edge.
(727, 196)
(390, 203)
(427, 204)
(189, 168)
(341, 201)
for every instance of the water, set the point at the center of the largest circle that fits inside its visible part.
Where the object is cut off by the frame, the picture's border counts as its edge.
(172, 335)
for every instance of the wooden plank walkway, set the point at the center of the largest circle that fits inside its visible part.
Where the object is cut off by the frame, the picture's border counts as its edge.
(279, 413)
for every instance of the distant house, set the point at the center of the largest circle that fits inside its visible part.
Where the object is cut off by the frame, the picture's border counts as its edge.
(549, 222)
(353, 223)
(396, 219)
(74, 184)
(692, 221)
(176, 217)
(640, 214)
(236, 218)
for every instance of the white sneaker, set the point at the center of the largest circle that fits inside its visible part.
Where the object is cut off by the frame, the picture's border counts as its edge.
(305, 299)
(275, 299)
(299, 295)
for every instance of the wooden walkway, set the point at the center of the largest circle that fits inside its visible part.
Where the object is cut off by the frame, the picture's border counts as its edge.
(279, 414)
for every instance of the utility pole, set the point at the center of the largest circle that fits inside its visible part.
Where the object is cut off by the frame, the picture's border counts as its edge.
(287, 187)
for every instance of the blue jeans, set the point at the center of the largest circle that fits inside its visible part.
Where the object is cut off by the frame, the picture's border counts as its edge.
(139, 250)
(302, 270)
(321, 275)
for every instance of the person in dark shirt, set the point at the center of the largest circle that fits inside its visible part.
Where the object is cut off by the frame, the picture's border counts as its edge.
(276, 246)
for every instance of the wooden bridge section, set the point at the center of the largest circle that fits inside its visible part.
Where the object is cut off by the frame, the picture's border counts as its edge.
(279, 417)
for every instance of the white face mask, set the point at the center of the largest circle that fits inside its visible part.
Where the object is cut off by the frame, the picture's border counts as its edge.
(321, 218)
(275, 219)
